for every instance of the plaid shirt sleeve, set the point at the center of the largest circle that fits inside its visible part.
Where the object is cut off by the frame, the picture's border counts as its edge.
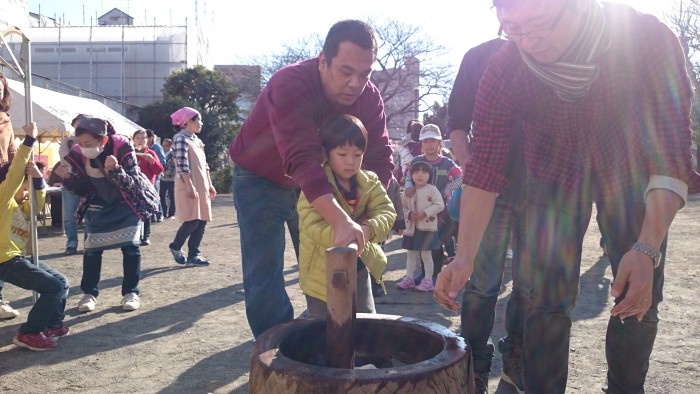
(494, 115)
(180, 149)
(668, 95)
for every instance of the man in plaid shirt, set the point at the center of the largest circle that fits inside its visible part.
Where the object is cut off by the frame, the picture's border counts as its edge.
(605, 102)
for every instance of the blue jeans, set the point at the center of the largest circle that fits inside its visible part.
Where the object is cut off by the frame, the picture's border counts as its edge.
(263, 210)
(51, 285)
(481, 292)
(92, 268)
(557, 221)
(70, 205)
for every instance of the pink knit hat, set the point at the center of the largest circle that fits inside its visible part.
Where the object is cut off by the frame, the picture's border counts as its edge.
(183, 115)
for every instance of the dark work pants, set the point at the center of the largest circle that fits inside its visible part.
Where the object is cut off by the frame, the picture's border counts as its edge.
(482, 291)
(556, 223)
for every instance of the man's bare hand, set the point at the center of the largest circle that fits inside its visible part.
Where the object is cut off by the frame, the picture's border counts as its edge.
(636, 270)
(450, 281)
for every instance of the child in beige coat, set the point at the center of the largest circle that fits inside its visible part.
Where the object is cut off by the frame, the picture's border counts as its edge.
(421, 236)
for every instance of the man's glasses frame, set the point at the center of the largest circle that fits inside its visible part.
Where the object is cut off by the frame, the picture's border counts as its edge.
(535, 34)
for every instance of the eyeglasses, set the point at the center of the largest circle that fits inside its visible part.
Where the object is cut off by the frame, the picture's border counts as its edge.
(534, 34)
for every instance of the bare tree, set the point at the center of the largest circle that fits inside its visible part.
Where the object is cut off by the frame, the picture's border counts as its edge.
(291, 52)
(410, 72)
(408, 69)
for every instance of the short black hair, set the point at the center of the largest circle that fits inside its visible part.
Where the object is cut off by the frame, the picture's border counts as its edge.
(422, 164)
(413, 128)
(75, 120)
(4, 168)
(343, 130)
(355, 31)
(150, 133)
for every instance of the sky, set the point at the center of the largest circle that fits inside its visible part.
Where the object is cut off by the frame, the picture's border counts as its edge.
(240, 30)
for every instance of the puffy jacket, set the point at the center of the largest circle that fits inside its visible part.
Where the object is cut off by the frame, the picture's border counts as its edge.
(374, 209)
(426, 199)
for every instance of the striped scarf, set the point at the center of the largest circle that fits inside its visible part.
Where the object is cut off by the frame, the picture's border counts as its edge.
(573, 75)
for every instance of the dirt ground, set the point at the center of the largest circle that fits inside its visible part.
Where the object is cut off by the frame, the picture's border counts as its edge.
(191, 334)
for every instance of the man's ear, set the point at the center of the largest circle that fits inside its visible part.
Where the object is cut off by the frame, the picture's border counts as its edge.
(322, 61)
(324, 156)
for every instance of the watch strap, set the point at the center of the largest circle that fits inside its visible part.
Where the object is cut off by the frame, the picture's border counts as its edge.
(652, 252)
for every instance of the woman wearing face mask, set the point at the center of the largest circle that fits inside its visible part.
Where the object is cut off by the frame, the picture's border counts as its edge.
(115, 196)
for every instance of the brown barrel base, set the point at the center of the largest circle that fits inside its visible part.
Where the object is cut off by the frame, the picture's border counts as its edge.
(406, 355)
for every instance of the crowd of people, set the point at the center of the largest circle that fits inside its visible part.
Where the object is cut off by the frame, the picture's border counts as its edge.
(109, 184)
(575, 103)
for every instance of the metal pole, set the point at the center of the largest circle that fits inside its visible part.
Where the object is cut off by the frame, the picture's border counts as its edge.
(25, 56)
(24, 71)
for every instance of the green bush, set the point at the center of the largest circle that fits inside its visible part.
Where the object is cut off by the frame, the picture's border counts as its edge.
(222, 179)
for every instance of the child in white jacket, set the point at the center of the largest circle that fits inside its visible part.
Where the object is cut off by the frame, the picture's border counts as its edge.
(420, 236)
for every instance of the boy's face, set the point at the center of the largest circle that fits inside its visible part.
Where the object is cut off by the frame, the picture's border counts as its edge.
(23, 193)
(345, 161)
(431, 147)
(420, 177)
(167, 146)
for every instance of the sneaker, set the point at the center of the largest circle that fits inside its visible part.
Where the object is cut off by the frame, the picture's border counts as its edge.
(178, 255)
(509, 254)
(131, 302)
(55, 333)
(377, 289)
(159, 219)
(70, 251)
(87, 303)
(197, 261)
(426, 285)
(145, 241)
(34, 341)
(406, 283)
(513, 371)
(6, 311)
(481, 383)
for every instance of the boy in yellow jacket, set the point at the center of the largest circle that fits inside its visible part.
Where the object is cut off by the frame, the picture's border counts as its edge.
(45, 320)
(360, 194)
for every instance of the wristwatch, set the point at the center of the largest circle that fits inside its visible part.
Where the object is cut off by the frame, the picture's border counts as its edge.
(655, 254)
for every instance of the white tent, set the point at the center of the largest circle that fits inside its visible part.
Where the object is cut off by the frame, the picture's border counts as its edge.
(53, 112)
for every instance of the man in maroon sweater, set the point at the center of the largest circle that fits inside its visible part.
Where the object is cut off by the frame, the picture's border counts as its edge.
(604, 99)
(278, 152)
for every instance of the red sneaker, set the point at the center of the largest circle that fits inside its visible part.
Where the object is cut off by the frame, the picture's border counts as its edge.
(55, 333)
(36, 341)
